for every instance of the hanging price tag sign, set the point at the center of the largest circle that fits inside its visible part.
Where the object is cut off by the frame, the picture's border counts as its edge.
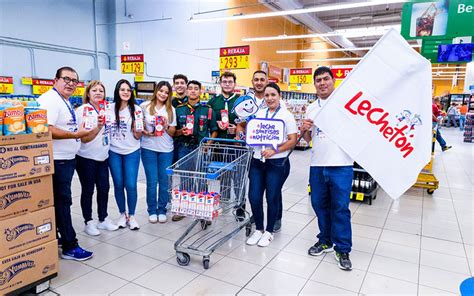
(40, 86)
(301, 76)
(237, 57)
(6, 85)
(133, 64)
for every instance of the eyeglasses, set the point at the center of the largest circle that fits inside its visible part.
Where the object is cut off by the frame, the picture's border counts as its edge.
(70, 80)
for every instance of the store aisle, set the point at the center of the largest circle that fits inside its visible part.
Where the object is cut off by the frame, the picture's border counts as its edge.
(420, 244)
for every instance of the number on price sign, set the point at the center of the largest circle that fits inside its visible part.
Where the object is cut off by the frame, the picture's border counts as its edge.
(134, 67)
(301, 76)
(234, 62)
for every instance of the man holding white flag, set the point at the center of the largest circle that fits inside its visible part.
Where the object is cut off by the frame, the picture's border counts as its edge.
(330, 178)
(381, 117)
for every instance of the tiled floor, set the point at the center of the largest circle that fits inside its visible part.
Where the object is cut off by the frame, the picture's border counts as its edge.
(420, 244)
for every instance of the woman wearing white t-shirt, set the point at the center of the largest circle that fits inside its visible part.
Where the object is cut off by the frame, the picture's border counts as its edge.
(269, 169)
(157, 149)
(92, 161)
(124, 154)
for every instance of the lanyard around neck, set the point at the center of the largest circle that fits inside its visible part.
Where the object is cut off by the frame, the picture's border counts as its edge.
(276, 111)
(73, 114)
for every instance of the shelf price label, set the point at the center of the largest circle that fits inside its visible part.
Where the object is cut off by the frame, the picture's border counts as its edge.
(301, 76)
(236, 57)
(6, 85)
(340, 73)
(79, 89)
(40, 86)
(133, 64)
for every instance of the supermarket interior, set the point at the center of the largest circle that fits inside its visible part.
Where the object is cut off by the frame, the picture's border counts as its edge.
(296, 147)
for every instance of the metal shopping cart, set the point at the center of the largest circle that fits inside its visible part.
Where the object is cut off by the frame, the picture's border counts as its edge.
(220, 166)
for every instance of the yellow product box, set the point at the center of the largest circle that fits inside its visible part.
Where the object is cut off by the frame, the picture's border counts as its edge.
(25, 196)
(26, 267)
(26, 231)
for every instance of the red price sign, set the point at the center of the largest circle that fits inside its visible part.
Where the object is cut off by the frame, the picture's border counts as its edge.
(301, 76)
(340, 73)
(6, 85)
(236, 57)
(133, 64)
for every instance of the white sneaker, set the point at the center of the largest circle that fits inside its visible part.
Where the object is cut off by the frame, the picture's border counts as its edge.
(153, 218)
(91, 228)
(107, 225)
(132, 223)
(122, 221)
(265, 240)
(254, 238)
(162, 218)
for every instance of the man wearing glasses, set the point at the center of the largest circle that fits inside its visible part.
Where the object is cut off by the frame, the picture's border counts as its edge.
(66, 143)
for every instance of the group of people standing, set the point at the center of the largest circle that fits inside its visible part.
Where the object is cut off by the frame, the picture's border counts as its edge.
(117, 143)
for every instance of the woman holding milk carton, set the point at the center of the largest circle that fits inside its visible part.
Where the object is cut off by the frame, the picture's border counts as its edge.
(92, 158)
(269, 169)
(124, 154)
(157, 149)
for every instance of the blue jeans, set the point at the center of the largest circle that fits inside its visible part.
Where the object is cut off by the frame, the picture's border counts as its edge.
(268, 177)
(439, 138)
(183, 150)
(462, 120)
(62, 179)
(93, 173)
(124, 170)
(330, 197)
(155, 164)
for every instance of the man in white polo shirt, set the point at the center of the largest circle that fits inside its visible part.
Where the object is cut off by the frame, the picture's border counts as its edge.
(330, 178)
(66, 143)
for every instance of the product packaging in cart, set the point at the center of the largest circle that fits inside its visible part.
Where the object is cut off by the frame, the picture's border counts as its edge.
(183, 205)
(200, 203)
(192, 204)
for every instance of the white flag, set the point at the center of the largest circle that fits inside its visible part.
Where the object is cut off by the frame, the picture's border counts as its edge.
(381, 114)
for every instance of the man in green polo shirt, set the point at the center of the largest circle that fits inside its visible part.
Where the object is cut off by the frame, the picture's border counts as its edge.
(194, 121)
(223, 104)
(180, 83)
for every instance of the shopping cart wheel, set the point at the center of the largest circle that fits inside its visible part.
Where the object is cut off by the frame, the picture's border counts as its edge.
(183, 259)
(430, 191)
(205, 262)
(205, 224)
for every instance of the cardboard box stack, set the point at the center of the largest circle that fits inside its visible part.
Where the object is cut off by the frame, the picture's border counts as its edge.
(28, 245)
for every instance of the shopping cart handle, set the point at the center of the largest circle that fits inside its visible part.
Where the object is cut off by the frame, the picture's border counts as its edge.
(207, 139)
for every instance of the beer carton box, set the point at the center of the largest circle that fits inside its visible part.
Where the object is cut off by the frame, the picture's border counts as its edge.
(25, 196)
(26, 231)
(23, 268)
(192, 204)
(26, 160)
(175, 201)
(183, 205)
(200, 203)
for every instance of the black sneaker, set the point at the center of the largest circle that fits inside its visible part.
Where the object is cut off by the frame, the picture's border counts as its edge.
(240, 214)
(344, 261)
(277, 226)
(319, 249)
(446, 148)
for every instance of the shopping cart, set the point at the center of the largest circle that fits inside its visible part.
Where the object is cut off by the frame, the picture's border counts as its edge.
(220, 166)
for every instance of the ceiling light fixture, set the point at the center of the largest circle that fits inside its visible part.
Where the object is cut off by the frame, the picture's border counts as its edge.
(330, 60)
(348, 33)
(297, 11)
(330, 49)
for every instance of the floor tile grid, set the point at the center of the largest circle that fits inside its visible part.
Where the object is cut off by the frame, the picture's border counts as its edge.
(263, 267)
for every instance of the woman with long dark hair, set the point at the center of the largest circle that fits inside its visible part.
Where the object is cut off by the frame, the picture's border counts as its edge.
(124, 155)
(157, 149)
